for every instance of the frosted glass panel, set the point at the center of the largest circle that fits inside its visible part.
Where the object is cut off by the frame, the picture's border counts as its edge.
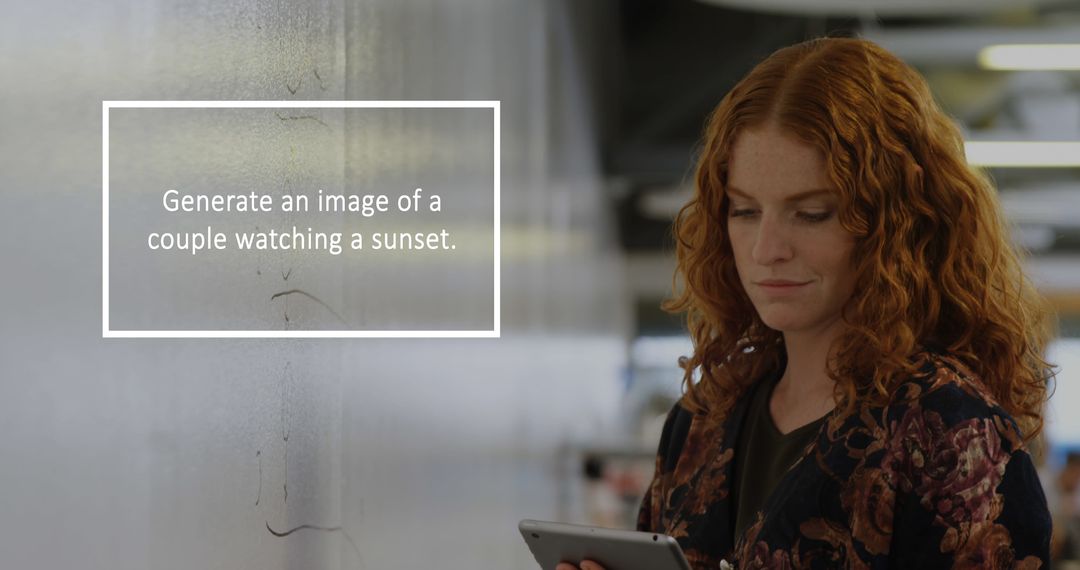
(262, 453)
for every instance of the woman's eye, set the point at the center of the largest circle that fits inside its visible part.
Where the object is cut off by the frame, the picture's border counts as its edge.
(814, 216)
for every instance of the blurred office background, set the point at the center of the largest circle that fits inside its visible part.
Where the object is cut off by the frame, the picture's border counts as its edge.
(411, 453)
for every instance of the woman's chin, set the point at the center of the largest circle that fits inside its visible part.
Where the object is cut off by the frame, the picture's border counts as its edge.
(785, 323)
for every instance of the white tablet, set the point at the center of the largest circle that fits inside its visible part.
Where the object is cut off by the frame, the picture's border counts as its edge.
(552, 543)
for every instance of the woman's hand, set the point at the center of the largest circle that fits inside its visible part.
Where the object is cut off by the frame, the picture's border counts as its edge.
(585, 565)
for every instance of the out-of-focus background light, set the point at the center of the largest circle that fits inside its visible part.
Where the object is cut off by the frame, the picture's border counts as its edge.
(1054, 57)
(1020, 154)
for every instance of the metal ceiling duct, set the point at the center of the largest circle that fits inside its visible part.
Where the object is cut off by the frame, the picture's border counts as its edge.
(961, 46)
(882, 8)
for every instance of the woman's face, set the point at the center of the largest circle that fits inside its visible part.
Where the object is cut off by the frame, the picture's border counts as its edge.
(792, 255)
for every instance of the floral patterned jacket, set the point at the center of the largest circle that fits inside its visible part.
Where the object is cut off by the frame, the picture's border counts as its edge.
(937, 479)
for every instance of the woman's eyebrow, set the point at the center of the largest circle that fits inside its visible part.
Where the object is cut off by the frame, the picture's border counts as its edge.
(793, 198)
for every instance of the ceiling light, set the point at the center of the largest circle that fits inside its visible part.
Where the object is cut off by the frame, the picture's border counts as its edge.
(1022, 154)
(1031, 56)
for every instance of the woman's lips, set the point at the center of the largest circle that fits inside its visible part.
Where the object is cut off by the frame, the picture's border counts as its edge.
(781, 286)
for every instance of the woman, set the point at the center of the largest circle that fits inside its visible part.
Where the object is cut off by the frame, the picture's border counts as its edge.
(867, 364)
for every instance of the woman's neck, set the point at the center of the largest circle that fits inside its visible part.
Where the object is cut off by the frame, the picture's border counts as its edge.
(805, 378)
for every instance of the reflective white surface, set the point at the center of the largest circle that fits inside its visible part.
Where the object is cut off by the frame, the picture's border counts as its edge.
(135, 454)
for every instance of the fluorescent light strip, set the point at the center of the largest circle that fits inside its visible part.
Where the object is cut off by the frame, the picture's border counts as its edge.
(1031, 56)
(1022, 154)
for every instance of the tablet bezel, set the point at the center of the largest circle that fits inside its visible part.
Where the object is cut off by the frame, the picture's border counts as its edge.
(552, 543)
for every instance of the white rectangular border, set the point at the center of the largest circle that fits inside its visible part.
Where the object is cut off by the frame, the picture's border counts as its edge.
(107, 332)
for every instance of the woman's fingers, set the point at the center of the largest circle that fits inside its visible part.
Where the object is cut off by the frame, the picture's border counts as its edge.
(585, 565)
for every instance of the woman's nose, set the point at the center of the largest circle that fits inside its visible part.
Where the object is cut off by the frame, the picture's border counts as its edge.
(772, 243)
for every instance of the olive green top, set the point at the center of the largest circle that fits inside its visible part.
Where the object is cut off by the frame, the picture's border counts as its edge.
(763, 454)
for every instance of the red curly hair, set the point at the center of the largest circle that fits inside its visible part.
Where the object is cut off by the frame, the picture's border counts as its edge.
(935, 266)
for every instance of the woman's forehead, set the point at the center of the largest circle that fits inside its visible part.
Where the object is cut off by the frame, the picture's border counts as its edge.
(768, 161)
